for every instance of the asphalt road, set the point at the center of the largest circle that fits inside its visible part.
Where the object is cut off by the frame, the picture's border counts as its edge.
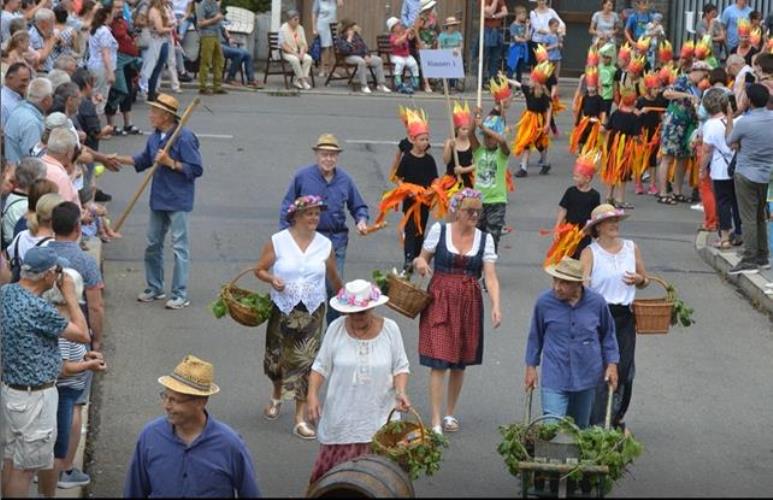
(702, 396)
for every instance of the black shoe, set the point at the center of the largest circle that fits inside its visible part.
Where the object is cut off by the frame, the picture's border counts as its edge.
(743, 268)
(184, 77)
(545, 169)
(101, 196)
(763, 264)
(521, 172)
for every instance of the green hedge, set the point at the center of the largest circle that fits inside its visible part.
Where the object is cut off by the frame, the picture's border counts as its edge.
(253, 5)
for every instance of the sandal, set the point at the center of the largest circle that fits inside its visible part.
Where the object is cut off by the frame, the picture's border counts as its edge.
(680, 198)
(722, 245)
(304, 431)
(132, 130)
(624, 205)
(271, 412)
(666, 200)
(450, 424)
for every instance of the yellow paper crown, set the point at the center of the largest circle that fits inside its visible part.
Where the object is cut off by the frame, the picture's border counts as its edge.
(541, 53)
(756, 36)
(500, 89)
(586, 163)
(643, 43)
(462, 115)
(688, 49)
(542, 72)
(624, 54)
(703, 48)
(636, 65)
(666, 52)
(591, 76)
(651, 80)
(416, 122)
(668, 74)
(744, 27)
(593, 57)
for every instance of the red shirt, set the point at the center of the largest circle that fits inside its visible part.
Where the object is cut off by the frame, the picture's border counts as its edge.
(490, 22)
(126, 44)
(399, 49)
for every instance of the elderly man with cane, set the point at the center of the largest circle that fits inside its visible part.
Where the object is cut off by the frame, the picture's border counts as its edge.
(573, 333)
(171, 198)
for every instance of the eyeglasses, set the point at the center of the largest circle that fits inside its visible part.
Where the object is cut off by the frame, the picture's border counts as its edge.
(172, 399)
(472, 212)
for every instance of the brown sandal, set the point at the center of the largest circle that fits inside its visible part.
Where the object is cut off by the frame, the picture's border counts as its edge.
(722, 245)
(271, 412)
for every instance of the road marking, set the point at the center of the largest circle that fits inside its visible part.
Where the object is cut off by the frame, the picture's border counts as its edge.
(374, 141)
(205, 136)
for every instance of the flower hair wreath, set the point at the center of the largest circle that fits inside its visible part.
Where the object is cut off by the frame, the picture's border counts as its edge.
(458, 198)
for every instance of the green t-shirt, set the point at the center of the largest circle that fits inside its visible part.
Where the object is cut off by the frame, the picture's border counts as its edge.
(490, 169)
(607, 81)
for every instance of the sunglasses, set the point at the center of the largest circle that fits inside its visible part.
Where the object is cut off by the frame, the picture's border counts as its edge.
(472, 212)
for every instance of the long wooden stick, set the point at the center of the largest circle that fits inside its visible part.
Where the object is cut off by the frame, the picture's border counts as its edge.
(480, 54)
(453, 133)
(152, 170)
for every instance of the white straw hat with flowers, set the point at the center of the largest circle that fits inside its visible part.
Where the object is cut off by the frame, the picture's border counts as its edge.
(603, 212)
(357, 296)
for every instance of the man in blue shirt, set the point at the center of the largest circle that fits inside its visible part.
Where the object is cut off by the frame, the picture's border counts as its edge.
(339, 192)
(637, 22)
(189, 454)
(171, 199)
(573, 333)
(17, 78)
(729, 20)
(26, 123)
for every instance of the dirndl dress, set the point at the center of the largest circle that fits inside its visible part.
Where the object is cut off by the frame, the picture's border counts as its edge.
(451, 327)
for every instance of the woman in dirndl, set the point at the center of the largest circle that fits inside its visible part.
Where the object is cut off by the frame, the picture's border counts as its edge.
(451, 327)
(296, 263)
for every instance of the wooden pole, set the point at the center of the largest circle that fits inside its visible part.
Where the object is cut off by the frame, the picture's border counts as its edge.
(152, 170)
(454, 152)
(480, 54)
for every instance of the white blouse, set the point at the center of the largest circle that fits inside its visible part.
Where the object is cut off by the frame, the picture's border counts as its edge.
(360, 382)
(302, 272)
(608, 271)
(433, 238)
(539, 21)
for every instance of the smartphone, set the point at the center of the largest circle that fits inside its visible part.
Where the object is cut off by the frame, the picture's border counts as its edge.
(733, 103)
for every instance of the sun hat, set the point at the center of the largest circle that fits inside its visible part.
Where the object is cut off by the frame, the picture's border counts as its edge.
(327, 142)
(603, 212)
(700, 66)
(451, 21)
(192, 376)
(167, 103)
(346, 23)
(568, 269)
(304, 203)
(41, 259)
(357, 296)
(427, 4)
(391, 23)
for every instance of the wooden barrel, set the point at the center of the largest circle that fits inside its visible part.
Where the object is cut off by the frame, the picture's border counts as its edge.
(368, 476)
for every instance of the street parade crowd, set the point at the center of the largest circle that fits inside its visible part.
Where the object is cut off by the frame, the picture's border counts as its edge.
(646, 117)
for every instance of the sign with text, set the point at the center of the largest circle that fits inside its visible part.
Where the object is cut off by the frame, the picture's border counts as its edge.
(441, 63)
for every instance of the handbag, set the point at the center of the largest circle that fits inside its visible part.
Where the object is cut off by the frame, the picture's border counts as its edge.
(731, 164)
(315, 51)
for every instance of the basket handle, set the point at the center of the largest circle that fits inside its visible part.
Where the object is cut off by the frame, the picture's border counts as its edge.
(418, 418)
(239, 276)
(608, 418)
(527, 409)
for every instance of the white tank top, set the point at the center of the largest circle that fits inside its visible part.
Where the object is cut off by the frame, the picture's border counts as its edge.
(302, 272)
(608, 271)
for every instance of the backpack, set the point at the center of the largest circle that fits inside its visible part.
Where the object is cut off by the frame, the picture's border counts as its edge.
(16, 262)
(2, 216)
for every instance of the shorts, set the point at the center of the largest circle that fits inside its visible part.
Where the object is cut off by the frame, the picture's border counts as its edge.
(67, 400)
(30, 427)
(84, 397)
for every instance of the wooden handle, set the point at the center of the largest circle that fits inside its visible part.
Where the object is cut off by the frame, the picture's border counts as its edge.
(454, 152)
(480, 54)
(152, 170)
(239, 276)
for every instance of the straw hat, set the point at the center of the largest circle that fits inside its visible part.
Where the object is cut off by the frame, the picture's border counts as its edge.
(357, 296)
(167, 103)
(427, 4)
(451, 21)
(327, 142)
(603, 212)
(568, 269)
(192, 376)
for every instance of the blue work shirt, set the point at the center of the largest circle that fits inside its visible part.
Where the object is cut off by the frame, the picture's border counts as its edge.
(729, 20)
(23, 131)
(575, 343)
(340, 193)
(9, 99)
(637, 23)
(409, 12)
(172, 190)
(217, 464)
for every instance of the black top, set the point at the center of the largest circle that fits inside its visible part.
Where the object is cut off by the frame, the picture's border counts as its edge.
(88, 121)
(579, 204)
(421, 171)
(650, 120)
(626, 123)
(536, 104)
(551, 81)
(465, 160)
(592, 105)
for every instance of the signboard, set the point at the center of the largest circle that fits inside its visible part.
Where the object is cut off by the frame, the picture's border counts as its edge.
(441, 63)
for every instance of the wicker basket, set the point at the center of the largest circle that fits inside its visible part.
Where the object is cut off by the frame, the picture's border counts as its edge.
(653, 316)
(388, 444)
(406, 298)
(242, 314)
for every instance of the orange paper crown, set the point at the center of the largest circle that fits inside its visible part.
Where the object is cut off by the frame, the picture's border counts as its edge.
(462, 116)
(744, 27)
(591, 76)
(636, 66)
(703, 48)
(643, 43)
(593, 57)
(416, 122)
(756, 36)
(688, 48)
(624, 54)
(666, 52)
(668, 74)
(627, 96)
(402, 112)
(585, 164)
(542, 72)
(500, 89)
(651, 80)
(541, 53)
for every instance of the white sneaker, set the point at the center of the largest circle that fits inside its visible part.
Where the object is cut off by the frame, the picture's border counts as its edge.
(306, 85)
(298, 85)
(366, 90)
(697, 206)
(384, 89)
(177, 303)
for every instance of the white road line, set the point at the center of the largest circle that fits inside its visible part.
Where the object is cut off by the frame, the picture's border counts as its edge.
(374, 141)
(206, 136)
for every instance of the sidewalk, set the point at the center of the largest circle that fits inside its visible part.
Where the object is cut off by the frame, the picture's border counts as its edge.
(751, 285)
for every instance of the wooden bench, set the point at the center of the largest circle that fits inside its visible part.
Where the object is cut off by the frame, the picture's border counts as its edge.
(340, 62)
(385, 53)
(275, 57)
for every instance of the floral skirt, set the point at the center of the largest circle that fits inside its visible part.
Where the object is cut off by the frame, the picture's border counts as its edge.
(292, 343)
(331, 455)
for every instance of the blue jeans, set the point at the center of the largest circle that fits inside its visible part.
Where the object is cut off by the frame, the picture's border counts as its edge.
(160, 223)
(236, 58)
(332, 314)
(770, 228)
(577, 405)
(67, 398)
(160, 63)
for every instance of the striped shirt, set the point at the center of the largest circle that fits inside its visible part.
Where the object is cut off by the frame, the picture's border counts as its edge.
(72, 351)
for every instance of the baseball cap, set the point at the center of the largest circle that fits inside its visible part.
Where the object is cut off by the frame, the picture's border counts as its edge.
(40, 259)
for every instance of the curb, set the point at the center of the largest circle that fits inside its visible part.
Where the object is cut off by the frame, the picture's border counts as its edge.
(752, 286)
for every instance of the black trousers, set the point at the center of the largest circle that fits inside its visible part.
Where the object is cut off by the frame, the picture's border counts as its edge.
(413, 239)
(625, 331)
(727, 206)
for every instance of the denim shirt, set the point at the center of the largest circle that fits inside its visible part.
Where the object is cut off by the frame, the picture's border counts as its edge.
(575, 343)
(340, 193)
(23, 130)
(752, 132)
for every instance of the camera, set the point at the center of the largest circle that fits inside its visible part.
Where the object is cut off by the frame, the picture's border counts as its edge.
(733, 103)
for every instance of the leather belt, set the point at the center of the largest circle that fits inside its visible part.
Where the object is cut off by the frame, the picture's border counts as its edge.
(31, 388)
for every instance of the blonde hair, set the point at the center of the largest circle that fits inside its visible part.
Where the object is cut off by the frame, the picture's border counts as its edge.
(43, 211)
(16, 41)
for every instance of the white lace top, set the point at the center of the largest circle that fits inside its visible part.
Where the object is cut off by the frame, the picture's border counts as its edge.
(302, 272)
(608, 271)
